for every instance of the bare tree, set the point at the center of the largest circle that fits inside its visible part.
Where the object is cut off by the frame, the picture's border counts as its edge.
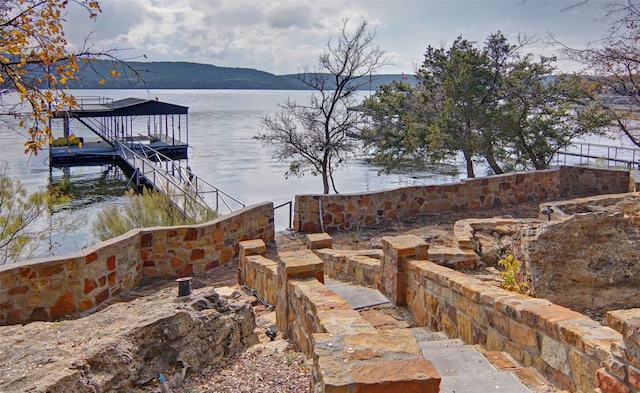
(613, 63)
(317, 138)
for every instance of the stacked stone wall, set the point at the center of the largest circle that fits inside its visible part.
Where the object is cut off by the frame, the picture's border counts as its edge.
(360, 267)
(320, 213)
(576, 352)
(50, 288)
(348, 353)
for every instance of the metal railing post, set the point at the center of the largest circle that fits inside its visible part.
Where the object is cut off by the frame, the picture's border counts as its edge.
(290, 203)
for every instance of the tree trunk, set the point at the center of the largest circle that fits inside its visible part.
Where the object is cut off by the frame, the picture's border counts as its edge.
(469, 160)
(325, 177)
(493, 164)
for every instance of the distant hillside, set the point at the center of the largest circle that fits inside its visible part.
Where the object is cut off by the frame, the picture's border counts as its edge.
(184, 75)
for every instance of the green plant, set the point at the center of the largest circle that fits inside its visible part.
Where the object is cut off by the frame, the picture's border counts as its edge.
(149, 209)
(26, 222)
(513, 276)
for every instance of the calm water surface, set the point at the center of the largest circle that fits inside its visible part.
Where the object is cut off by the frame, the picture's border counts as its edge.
(222, 124)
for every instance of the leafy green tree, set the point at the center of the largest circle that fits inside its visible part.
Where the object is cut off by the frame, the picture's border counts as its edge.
(403, 135)
(543, 115)
(149, 209)
(488, 103)
(316, 137)
(20, 216)
(460, 79)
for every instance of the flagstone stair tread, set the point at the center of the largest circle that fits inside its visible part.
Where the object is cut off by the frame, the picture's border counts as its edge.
(358, 297)
(464, 369)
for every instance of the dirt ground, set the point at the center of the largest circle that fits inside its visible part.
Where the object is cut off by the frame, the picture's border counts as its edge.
(436, 228)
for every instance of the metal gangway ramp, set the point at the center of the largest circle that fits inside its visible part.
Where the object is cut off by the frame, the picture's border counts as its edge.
(193, 196)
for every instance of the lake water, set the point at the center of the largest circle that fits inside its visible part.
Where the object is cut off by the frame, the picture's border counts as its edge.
(222, 124)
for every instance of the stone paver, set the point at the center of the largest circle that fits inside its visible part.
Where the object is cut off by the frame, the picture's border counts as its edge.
(357, 297)
(465, 370)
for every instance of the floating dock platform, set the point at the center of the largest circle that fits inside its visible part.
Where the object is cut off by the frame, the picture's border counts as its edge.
(97, 151)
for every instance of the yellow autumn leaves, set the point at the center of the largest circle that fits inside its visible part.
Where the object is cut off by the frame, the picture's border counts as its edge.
(35, 61)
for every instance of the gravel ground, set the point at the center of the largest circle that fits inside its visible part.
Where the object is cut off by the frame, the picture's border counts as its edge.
(267, 367)
(258, 371)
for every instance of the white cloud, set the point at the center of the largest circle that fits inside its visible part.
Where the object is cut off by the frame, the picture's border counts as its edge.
(283, 36)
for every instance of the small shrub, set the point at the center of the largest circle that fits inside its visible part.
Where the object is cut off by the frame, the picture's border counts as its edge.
(149, 209)
(26, 219)
(513, 276)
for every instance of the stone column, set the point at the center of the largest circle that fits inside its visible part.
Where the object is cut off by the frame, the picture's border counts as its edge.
(397, 251)
(245, 249)
(301, 264)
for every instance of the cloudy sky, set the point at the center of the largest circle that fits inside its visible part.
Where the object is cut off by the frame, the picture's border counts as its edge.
(284, 36)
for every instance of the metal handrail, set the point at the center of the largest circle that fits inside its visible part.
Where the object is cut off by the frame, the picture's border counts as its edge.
(616, 154)
(290, 203)
(87, 100)
(98, 128)
(185, 173)
(163, 182)
(190, 187)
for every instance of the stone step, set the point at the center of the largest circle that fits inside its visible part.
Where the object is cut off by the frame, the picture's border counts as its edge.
(453, 256)
(464, 369)
(358, 297)
(423, 334)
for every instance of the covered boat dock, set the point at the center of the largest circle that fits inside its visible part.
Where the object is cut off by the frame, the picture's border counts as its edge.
(153, 157)
(139, 124)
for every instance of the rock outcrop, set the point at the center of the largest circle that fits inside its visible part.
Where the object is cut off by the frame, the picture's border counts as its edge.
(587, 261)
(123, 347)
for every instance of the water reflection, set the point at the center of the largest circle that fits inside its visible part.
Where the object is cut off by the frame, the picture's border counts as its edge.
(87, 185)
(223, 152)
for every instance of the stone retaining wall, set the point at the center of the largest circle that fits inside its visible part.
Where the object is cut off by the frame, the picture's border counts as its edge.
(574, 351)
(50, 288)
(320, 213)
(360, 267)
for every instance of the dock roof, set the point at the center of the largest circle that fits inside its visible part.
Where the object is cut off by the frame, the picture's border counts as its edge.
(100, 107)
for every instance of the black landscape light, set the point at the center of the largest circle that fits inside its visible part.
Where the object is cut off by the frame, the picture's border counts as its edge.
(547, 211)
(272, 332)
(184, 286)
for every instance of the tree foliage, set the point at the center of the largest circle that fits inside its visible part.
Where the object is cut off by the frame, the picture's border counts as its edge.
(149, 209)
(20, 213)
(316, 138)
(403, 127)
(35, 61)
(488, 103)
(613, 62)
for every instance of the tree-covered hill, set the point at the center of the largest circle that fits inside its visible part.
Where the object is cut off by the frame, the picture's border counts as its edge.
(185, 75)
